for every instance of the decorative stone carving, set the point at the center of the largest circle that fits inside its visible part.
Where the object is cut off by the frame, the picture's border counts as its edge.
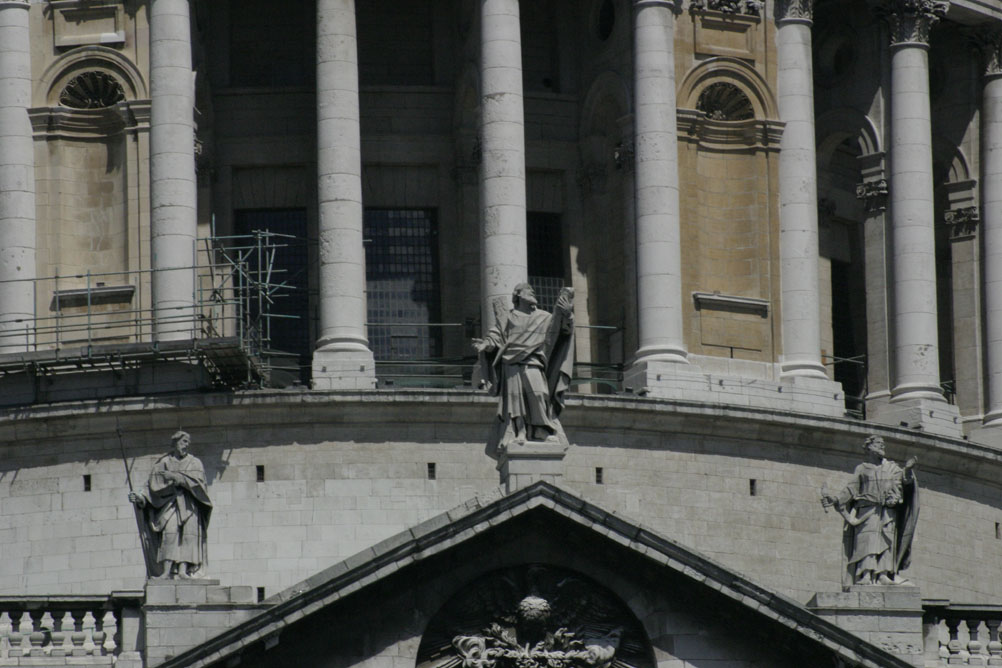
(880, 507)
(533, 617)
(791, 10)
(92, 90)
(527, 358)
(173, 511)
(911, 20)
(722, 101)
(874, 194)
(624, 155)
(746, 7)
(989, 41)
(963, 223)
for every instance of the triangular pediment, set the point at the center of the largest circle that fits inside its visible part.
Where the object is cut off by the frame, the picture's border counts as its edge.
(425, 566)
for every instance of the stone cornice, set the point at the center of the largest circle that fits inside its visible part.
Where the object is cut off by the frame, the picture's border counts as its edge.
(911, 20)
(801, 11)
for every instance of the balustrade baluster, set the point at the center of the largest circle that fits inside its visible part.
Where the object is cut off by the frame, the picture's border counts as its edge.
(110, 626)
(78, 637)
(5, 630)
(19, 643)
(974, 645)
(994, 646)
(89, 627)
(956, 647)
(61, 629)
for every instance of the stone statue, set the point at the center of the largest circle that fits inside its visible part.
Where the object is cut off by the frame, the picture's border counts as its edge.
(527, 359)
(175, 509)
(880, 507)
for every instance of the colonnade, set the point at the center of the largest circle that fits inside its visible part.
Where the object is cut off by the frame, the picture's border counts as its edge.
(342, 358)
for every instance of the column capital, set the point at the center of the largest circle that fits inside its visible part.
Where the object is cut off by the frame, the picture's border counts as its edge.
(988, 40)
(874, 194)
(19, 4)
(674, 5)
(962, 223)
(911, 20)
(800, 11)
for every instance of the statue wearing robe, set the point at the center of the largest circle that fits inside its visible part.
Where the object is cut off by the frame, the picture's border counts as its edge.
(528, 359)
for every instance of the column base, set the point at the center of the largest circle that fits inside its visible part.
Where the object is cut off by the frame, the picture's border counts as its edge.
(523, 464)
(343, 368)
(889, 617)
(927, 414)
(737, 383)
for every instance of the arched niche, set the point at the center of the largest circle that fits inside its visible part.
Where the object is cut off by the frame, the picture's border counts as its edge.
(110, 62)
(555, 614)
(735, 72)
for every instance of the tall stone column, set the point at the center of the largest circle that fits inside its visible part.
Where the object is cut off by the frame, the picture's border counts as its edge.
(659, 253)
(991, 194)
(342, 359)
(173, 217)
(916, 351)
(798, 192)
(17, 182)
(502, 141)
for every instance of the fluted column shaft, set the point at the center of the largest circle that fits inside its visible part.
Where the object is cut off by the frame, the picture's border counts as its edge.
(173, 192)
(659, 255)
(991, 193)
(798, 192)
(17, 181)
(342, 359)
(502, 140)
(916, 353)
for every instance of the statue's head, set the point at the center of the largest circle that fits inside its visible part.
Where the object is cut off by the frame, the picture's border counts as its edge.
(874, 445)
(524, 292)
(180, 440)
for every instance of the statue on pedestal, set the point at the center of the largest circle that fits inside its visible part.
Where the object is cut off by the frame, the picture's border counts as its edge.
(527, 359)
(880, 507)
(175, 510)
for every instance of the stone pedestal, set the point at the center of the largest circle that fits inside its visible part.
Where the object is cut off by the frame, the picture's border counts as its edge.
(180, 614)
(888, 617)
(532, 461)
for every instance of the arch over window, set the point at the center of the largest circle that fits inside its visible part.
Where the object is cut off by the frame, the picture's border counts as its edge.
(739, 78)
(92, 90)
(723, 101)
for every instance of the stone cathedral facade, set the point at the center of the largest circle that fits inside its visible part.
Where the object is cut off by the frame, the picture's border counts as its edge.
(277, 226)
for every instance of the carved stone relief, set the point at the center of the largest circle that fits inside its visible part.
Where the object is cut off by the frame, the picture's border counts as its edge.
(534, 616)
(963, 222)
(911, 20)
(794, 9)
(873, 194)
(92, 90)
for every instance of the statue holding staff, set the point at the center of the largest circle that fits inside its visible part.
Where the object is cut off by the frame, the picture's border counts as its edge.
(880, 507)
(528, 358)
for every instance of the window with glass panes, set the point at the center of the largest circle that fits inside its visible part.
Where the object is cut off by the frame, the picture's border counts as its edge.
(401, 278)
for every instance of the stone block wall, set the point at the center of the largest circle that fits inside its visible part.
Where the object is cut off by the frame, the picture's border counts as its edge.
(342, 472)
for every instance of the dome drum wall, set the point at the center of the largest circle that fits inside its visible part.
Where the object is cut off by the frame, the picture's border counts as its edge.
(338, 475)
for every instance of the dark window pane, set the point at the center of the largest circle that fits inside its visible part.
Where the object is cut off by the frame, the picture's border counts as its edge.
(401, 271)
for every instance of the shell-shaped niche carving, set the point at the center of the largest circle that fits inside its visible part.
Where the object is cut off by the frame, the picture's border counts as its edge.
(92, 90)
(722, 101)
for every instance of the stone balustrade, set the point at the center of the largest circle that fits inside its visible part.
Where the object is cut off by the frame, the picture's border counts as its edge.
(962, 635)
(70, 630)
